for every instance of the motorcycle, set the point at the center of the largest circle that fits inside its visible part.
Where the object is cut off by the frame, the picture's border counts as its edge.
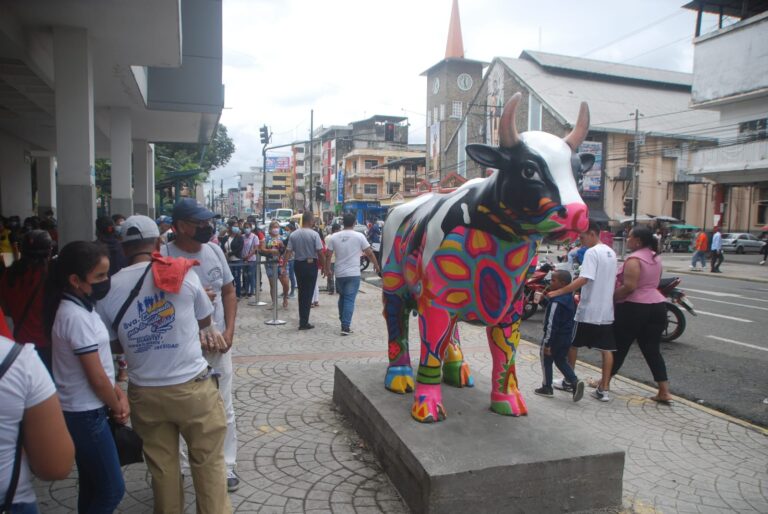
(675, 298)
(675, 317)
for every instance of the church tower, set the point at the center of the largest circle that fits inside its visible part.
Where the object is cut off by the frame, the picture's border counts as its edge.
(451, 85)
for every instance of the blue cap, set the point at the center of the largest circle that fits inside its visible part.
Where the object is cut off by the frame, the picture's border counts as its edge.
(164, 219)
(188, 209)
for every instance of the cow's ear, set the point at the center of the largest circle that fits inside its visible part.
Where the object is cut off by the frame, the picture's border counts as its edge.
(485, 155)
(587, 161)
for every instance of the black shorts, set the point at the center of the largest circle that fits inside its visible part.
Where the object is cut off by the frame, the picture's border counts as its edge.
(599, 337)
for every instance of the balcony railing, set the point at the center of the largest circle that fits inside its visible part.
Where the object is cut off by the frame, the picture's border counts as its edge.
(752, 155)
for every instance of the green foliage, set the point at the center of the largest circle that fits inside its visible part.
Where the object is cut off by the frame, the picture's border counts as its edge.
(170, 157)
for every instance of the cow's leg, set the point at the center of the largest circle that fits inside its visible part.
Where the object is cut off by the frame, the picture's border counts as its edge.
(435, 329)
(399, 378)
(503, 339)
(455, 370)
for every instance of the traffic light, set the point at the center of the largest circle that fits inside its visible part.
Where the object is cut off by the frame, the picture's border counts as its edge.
(264, 133)
(319, 193)
(389, 132)
(628, 206)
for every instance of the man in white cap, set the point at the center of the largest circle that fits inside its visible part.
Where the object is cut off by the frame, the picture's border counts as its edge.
(158, 313)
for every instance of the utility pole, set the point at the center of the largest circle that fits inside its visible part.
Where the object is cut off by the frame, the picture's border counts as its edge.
(311, 144)
(636, 166)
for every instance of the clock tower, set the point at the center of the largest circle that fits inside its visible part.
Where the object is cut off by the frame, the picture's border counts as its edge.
(452, 84)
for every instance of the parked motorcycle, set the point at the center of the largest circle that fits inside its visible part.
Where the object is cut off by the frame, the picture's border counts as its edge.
(675, 298)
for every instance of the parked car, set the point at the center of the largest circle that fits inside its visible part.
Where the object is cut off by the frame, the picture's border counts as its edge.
(741, 242)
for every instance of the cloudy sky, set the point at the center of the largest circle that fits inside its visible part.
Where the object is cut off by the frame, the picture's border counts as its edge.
(351, 59)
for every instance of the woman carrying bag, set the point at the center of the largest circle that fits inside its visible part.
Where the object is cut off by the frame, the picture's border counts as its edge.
(84, 373)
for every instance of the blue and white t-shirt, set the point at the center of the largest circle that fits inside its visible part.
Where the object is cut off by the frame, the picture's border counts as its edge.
(159, 331)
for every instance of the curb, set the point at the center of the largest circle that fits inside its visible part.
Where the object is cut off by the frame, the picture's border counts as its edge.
(717, 275)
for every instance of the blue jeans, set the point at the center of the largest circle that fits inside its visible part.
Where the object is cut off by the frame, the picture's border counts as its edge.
(558, 356)
(291, 275)
(236, 268)
(699, 256)
(98, 468)
(347, 288)
(249, 278)
(24, 508)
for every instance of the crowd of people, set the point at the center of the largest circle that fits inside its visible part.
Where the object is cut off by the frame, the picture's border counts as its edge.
(152, 303)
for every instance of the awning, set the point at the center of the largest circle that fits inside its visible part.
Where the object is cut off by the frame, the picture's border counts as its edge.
(599, 216)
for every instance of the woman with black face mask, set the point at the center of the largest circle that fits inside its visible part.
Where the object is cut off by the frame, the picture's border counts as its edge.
(83, 370)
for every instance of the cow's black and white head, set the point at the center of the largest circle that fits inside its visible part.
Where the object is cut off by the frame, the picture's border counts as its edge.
(539, 175)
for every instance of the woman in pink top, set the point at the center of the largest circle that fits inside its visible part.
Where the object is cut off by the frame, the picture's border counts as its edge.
(640, 313)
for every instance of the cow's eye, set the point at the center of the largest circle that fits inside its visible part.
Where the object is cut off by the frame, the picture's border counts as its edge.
(531, 172)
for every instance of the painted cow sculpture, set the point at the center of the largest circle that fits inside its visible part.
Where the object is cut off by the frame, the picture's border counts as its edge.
(463, 256)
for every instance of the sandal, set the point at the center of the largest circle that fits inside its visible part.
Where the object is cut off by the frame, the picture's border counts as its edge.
(662, 401)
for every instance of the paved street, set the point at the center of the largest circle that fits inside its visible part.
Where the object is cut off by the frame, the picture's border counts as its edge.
(721, 358)
(297, 454)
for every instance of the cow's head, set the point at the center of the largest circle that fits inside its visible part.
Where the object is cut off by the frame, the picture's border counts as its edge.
(536, 183)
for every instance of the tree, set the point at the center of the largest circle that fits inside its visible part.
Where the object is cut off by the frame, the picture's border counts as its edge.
(172, 157)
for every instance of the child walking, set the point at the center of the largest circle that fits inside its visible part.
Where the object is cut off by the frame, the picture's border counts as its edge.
(558, 331)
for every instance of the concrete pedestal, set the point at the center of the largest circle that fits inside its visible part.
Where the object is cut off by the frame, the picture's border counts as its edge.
(478, 461)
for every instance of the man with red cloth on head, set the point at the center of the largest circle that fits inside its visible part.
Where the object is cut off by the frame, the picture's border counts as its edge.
(163, 321)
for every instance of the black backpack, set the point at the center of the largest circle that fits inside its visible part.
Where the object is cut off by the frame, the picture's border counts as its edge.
(236, 246)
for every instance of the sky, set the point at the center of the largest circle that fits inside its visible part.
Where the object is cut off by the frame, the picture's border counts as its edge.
(350, 59)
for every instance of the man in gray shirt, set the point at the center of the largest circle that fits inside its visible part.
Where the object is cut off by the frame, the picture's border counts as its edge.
(306, 249)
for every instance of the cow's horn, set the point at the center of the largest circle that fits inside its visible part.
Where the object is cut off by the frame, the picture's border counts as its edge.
(508, 136)
(579, 132)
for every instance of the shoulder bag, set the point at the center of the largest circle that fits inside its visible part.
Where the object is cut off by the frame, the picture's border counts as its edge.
(9, 494)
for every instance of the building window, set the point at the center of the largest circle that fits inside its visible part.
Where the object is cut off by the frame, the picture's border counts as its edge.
(456, 112)
(299, 163)
(754, 130)
(371, 189)
(442, 112)
(461, 160)
(393, 187)
(534, 113)
(370, 164)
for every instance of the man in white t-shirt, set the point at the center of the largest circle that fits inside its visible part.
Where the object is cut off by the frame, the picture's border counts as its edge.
(594, 315)
(170, 388)
(192, 223)
(347, 246)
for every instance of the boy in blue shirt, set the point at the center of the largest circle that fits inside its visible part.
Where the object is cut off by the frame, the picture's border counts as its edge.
(558, 332)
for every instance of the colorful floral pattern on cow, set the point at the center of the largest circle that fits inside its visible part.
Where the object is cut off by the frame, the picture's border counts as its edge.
(463, 256)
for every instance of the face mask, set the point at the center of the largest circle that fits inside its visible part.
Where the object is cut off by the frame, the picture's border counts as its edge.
(99, 290)
(247, 231)
(275, 231)
(235, 230)
(203, 234)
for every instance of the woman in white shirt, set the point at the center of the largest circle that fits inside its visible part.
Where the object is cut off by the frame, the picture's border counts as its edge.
(84, 373)
(28, 395)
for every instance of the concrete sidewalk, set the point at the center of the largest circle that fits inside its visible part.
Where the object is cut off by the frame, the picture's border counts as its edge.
(297, 454)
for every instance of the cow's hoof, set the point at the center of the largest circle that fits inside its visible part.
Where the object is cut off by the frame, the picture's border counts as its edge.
(399, 379)
(428, 405)
(457, 374)
(508, 404)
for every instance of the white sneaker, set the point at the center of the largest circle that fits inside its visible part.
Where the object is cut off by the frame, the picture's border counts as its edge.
(600, 395)
(762, 262)
(562, 385)
(692, 268)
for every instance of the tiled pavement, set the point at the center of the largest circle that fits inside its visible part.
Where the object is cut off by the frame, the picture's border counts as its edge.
(297, 454)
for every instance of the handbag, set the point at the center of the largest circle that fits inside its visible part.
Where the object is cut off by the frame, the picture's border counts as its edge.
(11, 491)
(129, 444)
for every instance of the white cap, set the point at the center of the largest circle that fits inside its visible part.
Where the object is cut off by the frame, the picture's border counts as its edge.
(138, 227)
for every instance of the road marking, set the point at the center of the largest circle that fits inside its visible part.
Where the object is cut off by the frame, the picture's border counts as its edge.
(724, 316)
(729, 303)
(739, 343)
(731, 295)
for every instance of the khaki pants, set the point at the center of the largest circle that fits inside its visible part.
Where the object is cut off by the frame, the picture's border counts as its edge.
(194, 410)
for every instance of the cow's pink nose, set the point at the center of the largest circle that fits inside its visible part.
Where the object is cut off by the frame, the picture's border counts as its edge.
(576, 217)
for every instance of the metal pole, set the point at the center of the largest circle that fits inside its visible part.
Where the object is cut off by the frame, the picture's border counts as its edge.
(311, 144)
(636, 168)
(264, 184)
(257, 293)
(273, 282)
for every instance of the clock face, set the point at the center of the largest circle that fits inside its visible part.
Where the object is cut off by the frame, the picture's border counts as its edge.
(464, 81)
(435, 86)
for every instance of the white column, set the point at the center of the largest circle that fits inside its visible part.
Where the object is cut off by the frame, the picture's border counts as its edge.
(140, 177)
(120, 156)
(76, 190)
(46, 185)
(15, 178)
(151, 181)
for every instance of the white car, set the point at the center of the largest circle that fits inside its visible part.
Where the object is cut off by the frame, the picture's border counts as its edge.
(741, 242)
